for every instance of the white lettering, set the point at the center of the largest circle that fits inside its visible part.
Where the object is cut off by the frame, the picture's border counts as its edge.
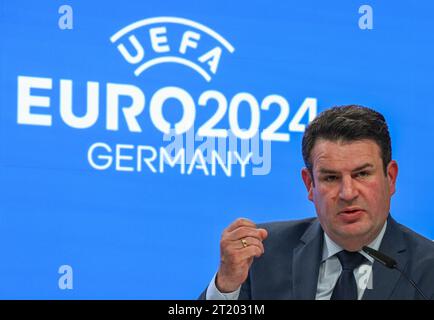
(186, 41)
(66, 113)
(156, 109)
(114, 91)
(140, 52)
(213, 58)
(26, 101)
(107, 158)
(178, 158)
(120, 156)
(147, 160)
(159, 40)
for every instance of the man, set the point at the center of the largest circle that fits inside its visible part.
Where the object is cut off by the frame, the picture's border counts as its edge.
(350, 177)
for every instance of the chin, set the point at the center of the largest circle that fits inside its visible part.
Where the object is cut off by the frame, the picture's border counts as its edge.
(355, 229)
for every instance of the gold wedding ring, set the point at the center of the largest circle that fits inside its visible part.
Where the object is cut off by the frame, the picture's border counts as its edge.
(244, 242)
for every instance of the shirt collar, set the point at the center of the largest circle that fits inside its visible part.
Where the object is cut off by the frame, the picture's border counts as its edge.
(330, 247)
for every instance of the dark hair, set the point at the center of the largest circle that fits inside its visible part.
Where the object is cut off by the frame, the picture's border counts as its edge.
(348, 123)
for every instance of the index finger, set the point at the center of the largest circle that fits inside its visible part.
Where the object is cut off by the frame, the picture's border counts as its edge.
(240, 222)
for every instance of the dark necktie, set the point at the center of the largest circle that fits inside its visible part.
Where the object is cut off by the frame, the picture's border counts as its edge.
(346, 286)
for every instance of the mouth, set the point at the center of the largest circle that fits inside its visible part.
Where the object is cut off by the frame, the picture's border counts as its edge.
(351, 214)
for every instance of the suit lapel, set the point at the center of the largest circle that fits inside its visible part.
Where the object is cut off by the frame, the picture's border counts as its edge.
(306, 261)
(385, 279)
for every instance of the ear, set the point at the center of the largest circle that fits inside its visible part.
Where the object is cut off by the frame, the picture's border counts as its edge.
(308, 182)
(392, 174)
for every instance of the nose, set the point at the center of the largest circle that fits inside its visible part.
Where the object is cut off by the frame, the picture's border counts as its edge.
(348, 190)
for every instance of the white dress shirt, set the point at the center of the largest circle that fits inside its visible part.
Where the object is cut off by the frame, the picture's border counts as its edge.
(329, 272)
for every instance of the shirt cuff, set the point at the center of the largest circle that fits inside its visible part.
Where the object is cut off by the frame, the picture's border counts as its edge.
(212, 293)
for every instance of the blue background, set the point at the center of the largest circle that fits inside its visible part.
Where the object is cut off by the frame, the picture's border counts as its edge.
(156, 236)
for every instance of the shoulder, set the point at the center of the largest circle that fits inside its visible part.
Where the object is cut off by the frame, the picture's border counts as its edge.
(420, 252)
(420, 266)
(415, 241)
(421, 249)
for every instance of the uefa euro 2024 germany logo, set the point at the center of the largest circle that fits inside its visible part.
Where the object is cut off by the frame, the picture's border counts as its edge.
(145, 45)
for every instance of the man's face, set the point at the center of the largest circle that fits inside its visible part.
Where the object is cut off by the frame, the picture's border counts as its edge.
(350, 191)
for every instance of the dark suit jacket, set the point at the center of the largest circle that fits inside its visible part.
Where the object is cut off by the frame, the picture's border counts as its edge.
(293, 250)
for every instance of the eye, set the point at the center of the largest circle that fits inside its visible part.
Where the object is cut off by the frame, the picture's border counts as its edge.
(330, 178)
(362, 174)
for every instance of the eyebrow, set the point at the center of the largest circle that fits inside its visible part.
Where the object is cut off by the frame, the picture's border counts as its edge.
(362, 167)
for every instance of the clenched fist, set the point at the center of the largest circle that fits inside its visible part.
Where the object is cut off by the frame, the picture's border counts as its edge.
(240, 243)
